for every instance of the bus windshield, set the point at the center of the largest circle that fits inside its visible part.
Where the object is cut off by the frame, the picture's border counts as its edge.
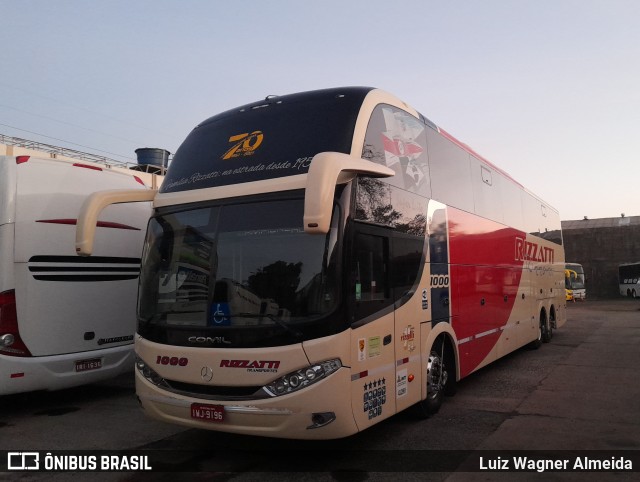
(576, 279)
(578, 282)
(266, 140)
(244, 274)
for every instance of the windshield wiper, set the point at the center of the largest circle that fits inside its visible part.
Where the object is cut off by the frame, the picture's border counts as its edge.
(278, 322)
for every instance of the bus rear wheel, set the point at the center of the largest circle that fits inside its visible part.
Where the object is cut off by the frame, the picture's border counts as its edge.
(542, 328)
(547, 328)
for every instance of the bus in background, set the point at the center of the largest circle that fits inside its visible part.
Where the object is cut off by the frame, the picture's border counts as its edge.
(358, 260)
(629, 279)
(576, 281)
(65, 320)
(569, 278)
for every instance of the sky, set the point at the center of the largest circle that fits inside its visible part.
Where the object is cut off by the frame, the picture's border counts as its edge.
(547, 90)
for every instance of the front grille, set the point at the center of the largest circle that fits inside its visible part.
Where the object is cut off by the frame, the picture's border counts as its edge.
(217, 392)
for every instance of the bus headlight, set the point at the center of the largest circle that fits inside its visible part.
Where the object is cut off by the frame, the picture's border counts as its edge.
(302, 378)
(150, 374)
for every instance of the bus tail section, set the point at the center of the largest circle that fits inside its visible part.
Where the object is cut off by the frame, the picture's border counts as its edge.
(65, 320)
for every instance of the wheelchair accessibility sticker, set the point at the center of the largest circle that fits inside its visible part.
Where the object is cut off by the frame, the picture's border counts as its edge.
(220, 315)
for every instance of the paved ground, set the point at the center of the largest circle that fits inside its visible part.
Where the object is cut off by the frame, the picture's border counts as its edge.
(588, 400)
(579, 392)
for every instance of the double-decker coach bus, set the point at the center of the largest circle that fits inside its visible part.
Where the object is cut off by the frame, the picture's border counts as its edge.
(358, 260)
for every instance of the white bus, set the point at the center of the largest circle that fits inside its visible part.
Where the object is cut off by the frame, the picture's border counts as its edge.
(389, 260)
(629, 279)
(65, 320)
(576, 282)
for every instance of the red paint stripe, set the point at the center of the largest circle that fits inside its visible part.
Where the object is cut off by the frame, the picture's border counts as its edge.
(106, 224)
(100, 224)
(404, 361)
(390, 146)
(483, 267)
(86, 166)
(58, 221)
(412, 148)
(393, 147)
(17, 375)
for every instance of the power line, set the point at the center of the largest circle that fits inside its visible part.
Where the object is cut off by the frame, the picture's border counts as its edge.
(66, 104)
(67, 142)
(69, 124)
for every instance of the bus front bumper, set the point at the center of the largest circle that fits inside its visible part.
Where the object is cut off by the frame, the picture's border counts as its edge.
(56, 372)
(316, 412)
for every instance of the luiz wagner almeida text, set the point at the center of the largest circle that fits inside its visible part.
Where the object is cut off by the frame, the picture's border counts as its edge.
(542, 464)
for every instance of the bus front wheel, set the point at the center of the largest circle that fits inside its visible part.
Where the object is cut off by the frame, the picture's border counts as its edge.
(439, 382)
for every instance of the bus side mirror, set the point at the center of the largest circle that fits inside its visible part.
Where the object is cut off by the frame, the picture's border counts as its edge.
(327, 170)
(93, 206)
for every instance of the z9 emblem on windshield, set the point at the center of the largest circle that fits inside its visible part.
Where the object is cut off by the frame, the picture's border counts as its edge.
(245, 144)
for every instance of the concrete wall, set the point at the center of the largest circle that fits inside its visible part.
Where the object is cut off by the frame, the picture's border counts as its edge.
(600, 251)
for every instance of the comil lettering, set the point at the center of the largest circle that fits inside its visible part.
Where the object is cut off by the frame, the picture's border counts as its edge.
(528, 251)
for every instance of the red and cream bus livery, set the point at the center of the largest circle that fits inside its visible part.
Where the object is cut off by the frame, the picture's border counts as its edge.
(318, 262)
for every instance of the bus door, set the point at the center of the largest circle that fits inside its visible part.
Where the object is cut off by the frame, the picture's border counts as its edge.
(372, 314)
(412, 295)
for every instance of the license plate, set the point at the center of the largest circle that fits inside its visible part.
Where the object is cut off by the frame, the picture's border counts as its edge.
(86, 365)
(208, 413)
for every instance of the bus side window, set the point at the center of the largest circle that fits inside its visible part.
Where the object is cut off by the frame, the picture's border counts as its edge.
(370, 274)
(406, 263)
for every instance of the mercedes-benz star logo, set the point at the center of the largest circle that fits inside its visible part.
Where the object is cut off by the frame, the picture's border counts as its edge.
(206, 374)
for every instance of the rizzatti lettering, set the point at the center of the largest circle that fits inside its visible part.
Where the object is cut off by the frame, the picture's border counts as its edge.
(528, 251)
(252, 366)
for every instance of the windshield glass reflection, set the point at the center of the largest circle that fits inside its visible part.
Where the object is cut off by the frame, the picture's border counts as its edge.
(237, 265)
